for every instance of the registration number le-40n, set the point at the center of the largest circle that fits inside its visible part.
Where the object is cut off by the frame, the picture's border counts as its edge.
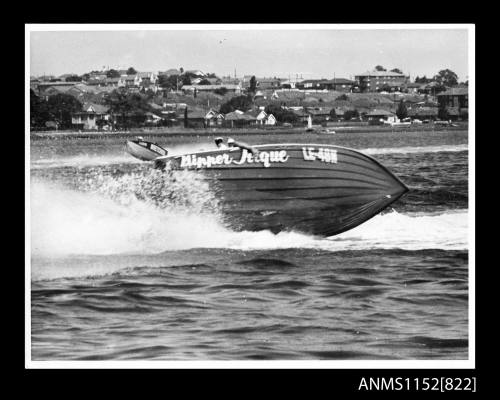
(322, 154)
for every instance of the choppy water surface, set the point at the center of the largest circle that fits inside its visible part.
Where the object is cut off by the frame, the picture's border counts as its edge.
(127, 264)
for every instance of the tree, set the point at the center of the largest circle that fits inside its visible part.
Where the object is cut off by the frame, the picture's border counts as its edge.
(379, 68)
(73, 78)
(113, 73)
(397, 70)
(385, 88)
(204, 82)
(342, 97)
(220, 91)
(350, 114)
(242, 103)
(60, 107)
(423, 79)
(281, 114)
(443, 113)
(101, 122)
(402, 112)
(39, 112)
(168, 82)
(131, 71)
(333, 113)
(127, 106)
(186, 80)
(253, 85)
(446, 77)
(182, 70)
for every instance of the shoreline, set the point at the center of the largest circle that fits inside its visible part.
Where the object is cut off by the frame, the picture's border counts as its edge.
(207, 132)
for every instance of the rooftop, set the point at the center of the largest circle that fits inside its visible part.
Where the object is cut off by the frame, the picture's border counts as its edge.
(381, 73)
(456, 91)
(378, 112)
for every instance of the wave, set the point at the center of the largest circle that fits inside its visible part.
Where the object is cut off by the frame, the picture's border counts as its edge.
(71, 222)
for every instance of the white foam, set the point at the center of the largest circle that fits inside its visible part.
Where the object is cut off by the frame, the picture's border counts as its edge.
(84, 160)
(66, 221)
(420, 149)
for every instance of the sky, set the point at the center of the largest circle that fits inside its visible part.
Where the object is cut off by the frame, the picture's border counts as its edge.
(264, 51)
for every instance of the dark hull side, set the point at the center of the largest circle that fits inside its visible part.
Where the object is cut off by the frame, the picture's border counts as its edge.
(318, 189)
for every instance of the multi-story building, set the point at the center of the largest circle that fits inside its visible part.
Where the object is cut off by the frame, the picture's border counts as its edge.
(373, 81)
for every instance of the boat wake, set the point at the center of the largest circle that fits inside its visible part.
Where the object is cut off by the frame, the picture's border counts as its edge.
(420, 149)
(109, 220)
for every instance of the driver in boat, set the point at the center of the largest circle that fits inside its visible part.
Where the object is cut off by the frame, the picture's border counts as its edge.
(219, 142)
(233, 144)
(140, 138)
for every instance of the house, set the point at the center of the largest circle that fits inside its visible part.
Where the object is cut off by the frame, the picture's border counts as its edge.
(381, 115)
(454, 97)
(338, 84)
(196, 81)
(422, 113)
(310, 84)
(43, 87)
(195, 118)
(174, 106)
(229, 81)
(90, 116)
(270, 120)
(147, 77)
(98, 75)
(96, 82)
(129, 81)
(413, 87)
(112, 82)
(214, 118)
(195, 72)
(53, 90)
(238, 119)
(302, 115)
(83, 88)
(76, 91)
(211, 88)
(456, 102)
(263, 118)
(430, 88)
(268, 83)
(319, 114)
(153, 118)
(259, 94)
(372, 81)
(262, 83)
(170, 72)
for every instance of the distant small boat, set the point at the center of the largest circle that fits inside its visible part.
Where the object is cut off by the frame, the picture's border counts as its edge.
(144, 150)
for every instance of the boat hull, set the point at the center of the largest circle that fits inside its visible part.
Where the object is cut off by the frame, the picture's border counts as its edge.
(145, 151)
(319, 189)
